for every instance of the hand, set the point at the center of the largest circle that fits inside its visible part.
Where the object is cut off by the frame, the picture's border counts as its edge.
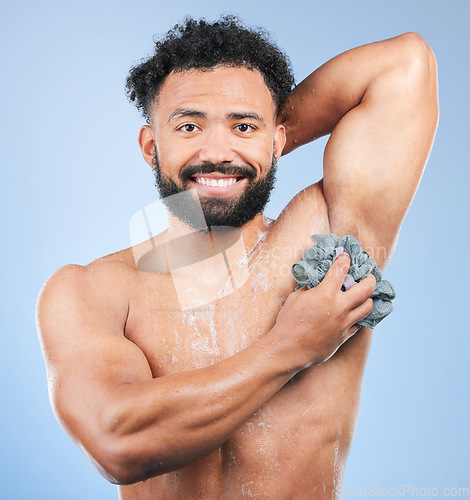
(315, 322)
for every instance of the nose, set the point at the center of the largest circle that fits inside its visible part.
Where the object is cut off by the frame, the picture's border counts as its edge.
(217, 147)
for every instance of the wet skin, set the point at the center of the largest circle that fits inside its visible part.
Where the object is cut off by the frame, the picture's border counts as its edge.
(228, 115)
(295, 444)
(250, 394)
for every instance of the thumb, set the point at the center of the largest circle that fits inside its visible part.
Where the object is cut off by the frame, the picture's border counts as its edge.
(337, 272)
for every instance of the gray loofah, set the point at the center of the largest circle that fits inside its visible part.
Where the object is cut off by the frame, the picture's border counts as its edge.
(318, 259)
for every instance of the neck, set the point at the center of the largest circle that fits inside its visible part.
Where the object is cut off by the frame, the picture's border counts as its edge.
(250, 232)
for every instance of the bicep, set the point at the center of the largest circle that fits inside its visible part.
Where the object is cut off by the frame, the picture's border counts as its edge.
(81, 326)
(375, 156)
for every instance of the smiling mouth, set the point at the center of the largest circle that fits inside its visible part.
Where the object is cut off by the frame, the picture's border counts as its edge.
(218, 178)
(220, 182)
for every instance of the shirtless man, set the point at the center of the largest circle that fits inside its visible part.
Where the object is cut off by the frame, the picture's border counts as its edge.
(256, 393)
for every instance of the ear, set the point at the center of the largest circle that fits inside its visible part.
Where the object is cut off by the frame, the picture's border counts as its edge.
(147, 144)
(279, 140)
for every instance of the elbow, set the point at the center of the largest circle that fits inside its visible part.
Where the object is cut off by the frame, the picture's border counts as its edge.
(120, 449)
(112, 449)
(120, 452)
(112, 466)
(415, 71)
(416, 57)
(120, 463)
(125, 460)
(119, 476)
(124, 456)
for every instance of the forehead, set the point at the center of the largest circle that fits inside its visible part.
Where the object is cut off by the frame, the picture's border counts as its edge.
(219, 90)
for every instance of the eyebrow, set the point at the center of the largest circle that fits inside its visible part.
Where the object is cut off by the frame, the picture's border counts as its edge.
(186, 112)
(246, 114)
(182, 112)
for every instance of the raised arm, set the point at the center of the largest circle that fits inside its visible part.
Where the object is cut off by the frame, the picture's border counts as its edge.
(133, 426)
(380, 104)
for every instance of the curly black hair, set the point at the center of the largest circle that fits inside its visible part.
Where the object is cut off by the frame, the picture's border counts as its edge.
(198, 44)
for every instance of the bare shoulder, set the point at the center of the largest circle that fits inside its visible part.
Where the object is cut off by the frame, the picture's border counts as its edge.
(94, 296)
(114, 268)
(92, 278)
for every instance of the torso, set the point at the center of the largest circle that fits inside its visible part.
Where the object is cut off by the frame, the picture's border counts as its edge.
(297, 444)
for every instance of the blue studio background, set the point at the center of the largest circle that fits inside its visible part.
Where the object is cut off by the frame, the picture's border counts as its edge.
(72, 176)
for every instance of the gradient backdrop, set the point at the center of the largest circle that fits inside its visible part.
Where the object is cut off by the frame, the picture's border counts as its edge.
(72, 176)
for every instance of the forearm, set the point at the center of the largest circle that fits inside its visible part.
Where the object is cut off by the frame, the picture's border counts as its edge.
(166, 423)
(319, 102)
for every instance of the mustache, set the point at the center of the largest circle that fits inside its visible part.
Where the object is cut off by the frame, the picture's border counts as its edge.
(223, 168)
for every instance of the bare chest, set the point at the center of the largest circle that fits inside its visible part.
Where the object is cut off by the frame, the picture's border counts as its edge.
(297, 441)
(299, 437)
(177, 338)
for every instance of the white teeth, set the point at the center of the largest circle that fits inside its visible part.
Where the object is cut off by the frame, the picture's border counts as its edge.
(205, 181)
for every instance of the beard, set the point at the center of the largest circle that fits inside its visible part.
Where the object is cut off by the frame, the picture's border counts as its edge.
(217, 211)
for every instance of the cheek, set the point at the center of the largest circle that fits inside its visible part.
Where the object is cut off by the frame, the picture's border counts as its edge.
(173, 155)
(267, 154)
(260, 152)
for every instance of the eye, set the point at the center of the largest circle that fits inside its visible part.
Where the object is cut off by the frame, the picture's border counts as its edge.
(244, 128)
(188, 127)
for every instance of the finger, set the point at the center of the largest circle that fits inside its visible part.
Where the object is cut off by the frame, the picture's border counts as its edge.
(337, 272)
(361, 311)
(361, 291)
